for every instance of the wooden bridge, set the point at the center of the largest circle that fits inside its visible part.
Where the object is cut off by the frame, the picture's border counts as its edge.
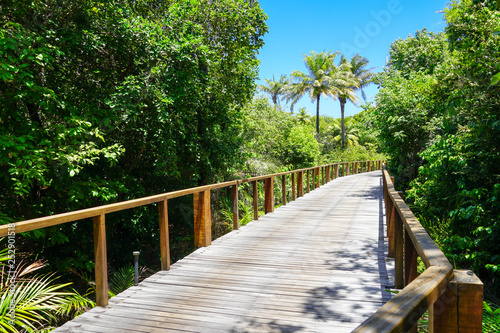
(320, 263)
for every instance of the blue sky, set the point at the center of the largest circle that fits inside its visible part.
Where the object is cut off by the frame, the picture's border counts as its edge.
(365, 27)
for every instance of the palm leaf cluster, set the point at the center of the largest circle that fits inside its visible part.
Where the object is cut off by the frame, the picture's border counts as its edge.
(38, 300)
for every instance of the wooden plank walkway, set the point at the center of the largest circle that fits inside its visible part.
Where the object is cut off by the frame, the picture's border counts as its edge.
(318, 264)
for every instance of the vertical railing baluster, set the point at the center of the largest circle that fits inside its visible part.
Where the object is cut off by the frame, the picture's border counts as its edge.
(236, 223)
(318, 179)
(164, 235)
(308, 181)
(398, 251)
(255, 200)
(283, 191)
(293, 186)
(269, 195)
(101, 260)
(300, 183)
(410, 259)
(202, 219)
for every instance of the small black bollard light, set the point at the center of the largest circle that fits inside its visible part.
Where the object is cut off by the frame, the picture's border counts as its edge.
(136, 267)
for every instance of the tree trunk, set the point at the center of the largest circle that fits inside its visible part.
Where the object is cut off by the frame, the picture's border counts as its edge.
(342, 108)
(317, 116)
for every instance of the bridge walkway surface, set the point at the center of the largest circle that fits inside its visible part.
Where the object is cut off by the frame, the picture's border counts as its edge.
(317, 264)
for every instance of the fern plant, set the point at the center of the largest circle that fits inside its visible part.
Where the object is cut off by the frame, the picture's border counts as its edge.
(31, 302)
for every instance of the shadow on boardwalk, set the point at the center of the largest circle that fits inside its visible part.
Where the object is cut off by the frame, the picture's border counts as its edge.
(320, 302)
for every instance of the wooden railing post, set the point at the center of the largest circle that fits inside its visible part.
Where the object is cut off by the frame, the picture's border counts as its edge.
(356, 168)
(459, 309)
(398, 251)
(336, 169)
(369, 166)
(101, 261)
(308, 181)
(347, 169)
(328, 173)
(318, 179)
(202, 219)
(410, 260)
(300, 184)
(315, 178)
(293, 186)
(164, 236)
(283, 189)
(390, 228)
(410, 263)
(236, 224)
(269, 195)
(255, 200)
(322, 175)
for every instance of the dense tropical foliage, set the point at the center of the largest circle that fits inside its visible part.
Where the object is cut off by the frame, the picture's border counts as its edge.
(107, 101)
(438, 117)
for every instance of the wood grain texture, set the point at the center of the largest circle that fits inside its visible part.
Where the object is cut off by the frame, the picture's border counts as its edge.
(410, 259)
(202, 219)
(401, 313)
(283, 190)
(459, 309)
(255, 197)
(164, 235)
(101, 261)
(269, 195)
(317, 264)
(300, 184)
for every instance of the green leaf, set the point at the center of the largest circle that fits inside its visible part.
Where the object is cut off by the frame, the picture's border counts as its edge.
(495, 79)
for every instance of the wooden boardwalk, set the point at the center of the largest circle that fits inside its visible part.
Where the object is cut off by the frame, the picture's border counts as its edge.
(318, 264)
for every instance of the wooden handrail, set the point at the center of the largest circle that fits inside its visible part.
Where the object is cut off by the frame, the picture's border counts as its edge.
(202, 216)
(453, 300)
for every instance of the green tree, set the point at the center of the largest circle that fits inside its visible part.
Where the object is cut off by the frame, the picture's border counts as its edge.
(264, 131)
(300, 149)
(123, 99)
(408, 114)
(437, 107)
(422, 52)
(323, 79)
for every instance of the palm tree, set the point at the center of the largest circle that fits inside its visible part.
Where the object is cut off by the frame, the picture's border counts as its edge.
(303, 117)
(351, 133)
(363, 77)
(275, 88)
(323, 78)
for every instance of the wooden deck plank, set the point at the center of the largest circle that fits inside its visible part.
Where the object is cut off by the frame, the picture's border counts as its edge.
(318, 264)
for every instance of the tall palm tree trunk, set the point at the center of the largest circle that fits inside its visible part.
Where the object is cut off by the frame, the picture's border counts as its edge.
(317, 116)
(342, 109)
